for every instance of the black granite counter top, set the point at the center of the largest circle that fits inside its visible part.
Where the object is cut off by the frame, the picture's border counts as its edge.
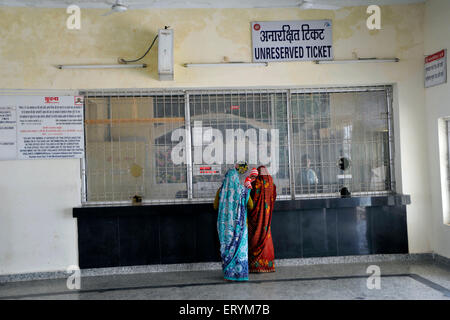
(280, 205)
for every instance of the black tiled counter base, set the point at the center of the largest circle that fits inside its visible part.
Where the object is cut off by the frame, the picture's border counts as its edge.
(111, 236)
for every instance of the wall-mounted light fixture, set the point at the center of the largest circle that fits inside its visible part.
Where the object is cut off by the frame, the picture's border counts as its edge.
(165, 54)
(360, 60)
(227, 64)
(100, 66)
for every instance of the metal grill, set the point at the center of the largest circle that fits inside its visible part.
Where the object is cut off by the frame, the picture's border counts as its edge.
(351, 125)
(157, 143)
(128, 146)
(251, 126)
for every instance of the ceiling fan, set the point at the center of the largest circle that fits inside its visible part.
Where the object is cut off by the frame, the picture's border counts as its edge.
(118, 6)
(311, 4)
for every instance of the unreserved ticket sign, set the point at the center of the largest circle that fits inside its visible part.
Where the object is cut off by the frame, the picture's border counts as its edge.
(278, 41)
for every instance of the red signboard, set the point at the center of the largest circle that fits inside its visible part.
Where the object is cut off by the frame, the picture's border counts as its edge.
(51, 99)
(435, 56)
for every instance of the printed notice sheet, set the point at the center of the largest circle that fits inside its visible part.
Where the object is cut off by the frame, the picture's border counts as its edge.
(436, 69)
(41, 127)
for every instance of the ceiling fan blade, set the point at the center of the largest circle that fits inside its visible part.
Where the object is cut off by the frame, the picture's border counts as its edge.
(317, 5)
(117, 6)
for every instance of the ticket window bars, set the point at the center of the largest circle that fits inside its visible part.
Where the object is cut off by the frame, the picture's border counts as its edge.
(137, 142)
(246, 125)
(351, 125)
(128, 146)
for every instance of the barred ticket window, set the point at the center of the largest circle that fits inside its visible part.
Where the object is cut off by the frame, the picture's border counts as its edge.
(238, 126)
(128, 147)
(176, 145)
(331, 128)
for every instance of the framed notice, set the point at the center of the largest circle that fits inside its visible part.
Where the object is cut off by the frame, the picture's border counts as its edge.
(436, 69)
(41, 127)
(278, 41)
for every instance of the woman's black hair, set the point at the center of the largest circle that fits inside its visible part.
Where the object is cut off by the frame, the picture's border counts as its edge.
(305, 159)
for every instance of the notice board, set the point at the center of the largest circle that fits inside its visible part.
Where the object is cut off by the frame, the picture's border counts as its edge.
(41, 127)
(436, 69)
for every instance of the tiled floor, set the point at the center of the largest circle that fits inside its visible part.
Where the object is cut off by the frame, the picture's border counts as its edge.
(399, 280)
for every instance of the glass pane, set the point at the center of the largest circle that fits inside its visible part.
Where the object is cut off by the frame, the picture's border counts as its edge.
(352, 126)
(128, 148)
(136, 145)
(231, 127)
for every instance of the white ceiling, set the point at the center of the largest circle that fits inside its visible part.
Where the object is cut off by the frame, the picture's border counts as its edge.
(141, 4)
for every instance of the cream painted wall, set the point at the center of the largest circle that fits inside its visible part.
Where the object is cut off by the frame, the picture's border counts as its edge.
(437, 105)
(37, 231)
(32, 41)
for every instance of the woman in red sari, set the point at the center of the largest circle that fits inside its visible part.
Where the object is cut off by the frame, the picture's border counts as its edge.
(260, 245)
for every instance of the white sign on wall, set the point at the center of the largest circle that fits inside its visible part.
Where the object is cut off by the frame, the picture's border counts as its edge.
(292, 40)
(436, 69)
(41, 127)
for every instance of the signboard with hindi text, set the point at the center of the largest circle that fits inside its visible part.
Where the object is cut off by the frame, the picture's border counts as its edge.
(278, 41)
(436, 69)
(41, 127)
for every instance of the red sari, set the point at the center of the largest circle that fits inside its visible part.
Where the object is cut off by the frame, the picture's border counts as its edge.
(260, 245)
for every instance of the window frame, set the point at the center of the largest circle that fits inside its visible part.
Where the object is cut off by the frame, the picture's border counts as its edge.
(289, 91)
(447, 158)
(390, 124)
(447, 121)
